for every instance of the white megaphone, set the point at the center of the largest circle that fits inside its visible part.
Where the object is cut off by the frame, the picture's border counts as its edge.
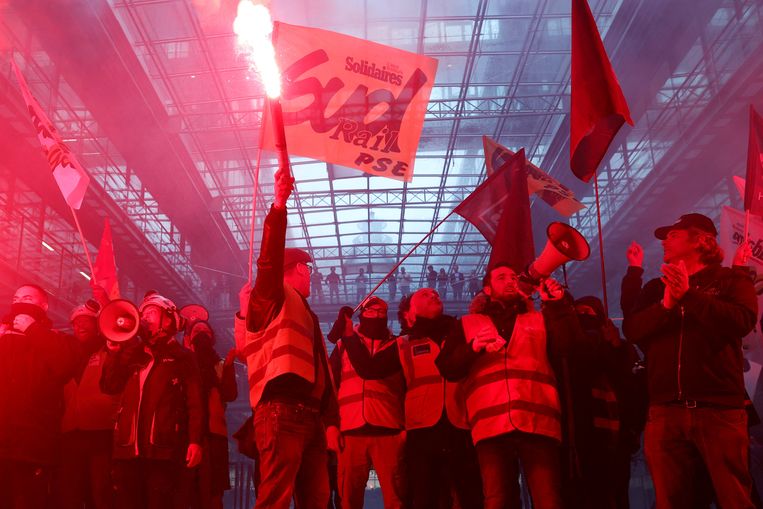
(119, 320)
(564, 243)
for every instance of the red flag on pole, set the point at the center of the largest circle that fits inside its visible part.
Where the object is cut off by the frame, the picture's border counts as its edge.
(71, 178)
(753, 189)
(514, 237)
(500, 209)
(598, 107)
(539, 182)
(105, 268)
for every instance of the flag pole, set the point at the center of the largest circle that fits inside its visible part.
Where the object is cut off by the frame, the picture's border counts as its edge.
(400, 262)
(746, 224)
(601, 247)
(254, 199)
(84, 245)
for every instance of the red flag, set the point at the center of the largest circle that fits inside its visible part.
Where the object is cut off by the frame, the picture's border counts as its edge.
(352, 102)
(105, 267)
(500, 209)
(539, 182)
(598, 106)
(753, 189)
(71, 178)
(514, 237)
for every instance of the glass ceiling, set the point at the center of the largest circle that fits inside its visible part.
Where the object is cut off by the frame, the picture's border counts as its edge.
(498, 60)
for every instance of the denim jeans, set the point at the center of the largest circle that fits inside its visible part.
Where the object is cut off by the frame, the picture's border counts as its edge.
(444, 468)
(499, 459)
(678, 441)
(291, 443)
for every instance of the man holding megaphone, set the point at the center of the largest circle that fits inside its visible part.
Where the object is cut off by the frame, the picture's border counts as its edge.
(501, 353)
(160, 422)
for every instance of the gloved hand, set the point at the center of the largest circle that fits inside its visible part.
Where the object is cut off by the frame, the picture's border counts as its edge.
(342, 325)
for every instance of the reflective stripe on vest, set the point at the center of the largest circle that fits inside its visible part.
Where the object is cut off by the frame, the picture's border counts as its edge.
(374, 402)
(604, 407)
(513, 389)
(427, 391)
(284, 346)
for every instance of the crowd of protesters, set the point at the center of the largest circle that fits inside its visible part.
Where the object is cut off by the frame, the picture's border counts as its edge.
(452, 412)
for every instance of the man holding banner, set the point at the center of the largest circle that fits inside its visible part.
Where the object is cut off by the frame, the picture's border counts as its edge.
(290, 389)
(690, 324)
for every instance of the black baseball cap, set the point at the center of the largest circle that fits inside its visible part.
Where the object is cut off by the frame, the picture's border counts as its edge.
(293, 256)
(693, 220)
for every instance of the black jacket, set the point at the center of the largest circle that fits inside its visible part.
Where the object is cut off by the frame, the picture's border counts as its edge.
(167, 413)
(34, 367)
(694, 351)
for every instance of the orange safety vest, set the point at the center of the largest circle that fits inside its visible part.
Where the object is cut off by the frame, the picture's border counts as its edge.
(284, 346)
(513, 389)
(374, 402)
(428, 393)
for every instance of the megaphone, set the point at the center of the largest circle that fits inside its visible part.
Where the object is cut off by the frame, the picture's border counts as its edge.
(119, 320)
(564, 243)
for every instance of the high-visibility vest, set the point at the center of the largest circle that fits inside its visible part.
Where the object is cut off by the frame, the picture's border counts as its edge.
(284, 346)
(428, 393)
(513, 389)
(374, 402)
(606, 419)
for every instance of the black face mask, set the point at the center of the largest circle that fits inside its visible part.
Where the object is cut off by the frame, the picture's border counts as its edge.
(589, 323)
(25, 308)
(159, 338)
(202, 341)
(374, 328)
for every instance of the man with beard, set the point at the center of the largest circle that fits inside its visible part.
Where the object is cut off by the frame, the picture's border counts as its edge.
(370, 411)
(690, 324)
(161, 420)
(88, 424)
(35, 364)
(501, 352)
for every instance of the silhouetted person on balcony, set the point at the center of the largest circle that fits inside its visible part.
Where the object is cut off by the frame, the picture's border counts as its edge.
(457, 283)
(431, 277)
(333, 281)
(360, 285)
(442, 284)
(405, 283)
(316, 281)
(392, 286)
